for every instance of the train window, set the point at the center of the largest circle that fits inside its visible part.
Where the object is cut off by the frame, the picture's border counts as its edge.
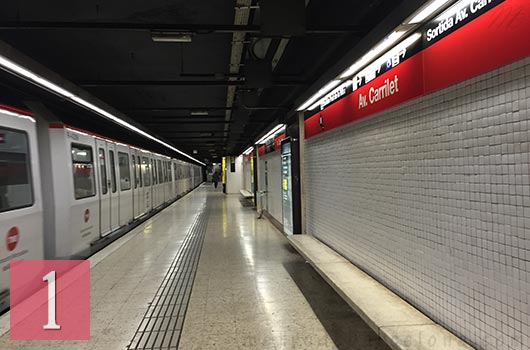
(103, 171)
(169, 175)
(112, 172)
(16, 190)
(175, 174)
(146, 171)
(160, 174)
(125, 171)
(83, 169)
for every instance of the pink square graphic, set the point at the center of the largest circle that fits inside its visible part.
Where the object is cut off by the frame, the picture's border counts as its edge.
(32, 300)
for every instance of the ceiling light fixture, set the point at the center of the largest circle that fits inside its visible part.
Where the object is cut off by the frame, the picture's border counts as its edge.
(26, 74)
(427, 11)
(453, 10)
(341, 87)
(373, 53)
(248, 151)
(200, 113)
(271, 133)
(171, 37)
(319, 94)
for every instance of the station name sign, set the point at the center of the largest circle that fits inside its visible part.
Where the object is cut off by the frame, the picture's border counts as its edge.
(455, 17)
(419, 64)
(377, 94)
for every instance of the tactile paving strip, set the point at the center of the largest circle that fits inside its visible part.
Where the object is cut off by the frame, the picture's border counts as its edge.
(162, 324)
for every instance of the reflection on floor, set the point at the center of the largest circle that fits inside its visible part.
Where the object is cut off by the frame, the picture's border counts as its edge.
(251, 291)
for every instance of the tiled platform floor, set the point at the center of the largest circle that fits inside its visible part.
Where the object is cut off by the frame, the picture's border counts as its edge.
(252, 290)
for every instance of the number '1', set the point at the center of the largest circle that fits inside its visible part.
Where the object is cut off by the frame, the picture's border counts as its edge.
(52, 323)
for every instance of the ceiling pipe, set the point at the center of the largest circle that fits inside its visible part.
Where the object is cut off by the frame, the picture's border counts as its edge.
(133, 83)
(240, 27)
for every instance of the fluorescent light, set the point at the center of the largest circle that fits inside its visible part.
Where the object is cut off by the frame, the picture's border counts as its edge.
(319, 102)
(271, 133)
(14, 68)
(319, 94)
(454, 9)
(248, 151)
(395, 51)
(385, 44)
(427, 11)
(200, 113)
(171, 37)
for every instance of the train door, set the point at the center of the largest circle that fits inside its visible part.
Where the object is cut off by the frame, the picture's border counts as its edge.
(163, 192)
(188, 176)
(181, 179)
(137, 184)
(154, 171)
(21, 216)
(113, 187)
(125, 184)
(146, 176)
(140, 181)
(104, 188)
(175, 180)
(169, 182)
(160, 187)
(134, 180)
(152, 165)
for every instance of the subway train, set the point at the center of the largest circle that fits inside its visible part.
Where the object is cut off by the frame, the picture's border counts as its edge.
(64, 190)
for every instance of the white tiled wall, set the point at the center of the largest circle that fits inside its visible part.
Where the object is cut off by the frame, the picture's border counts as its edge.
(432, 198)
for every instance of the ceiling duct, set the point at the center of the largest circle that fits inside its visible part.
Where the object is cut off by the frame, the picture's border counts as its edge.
(283, 18)
(241, 18)
(258, 74)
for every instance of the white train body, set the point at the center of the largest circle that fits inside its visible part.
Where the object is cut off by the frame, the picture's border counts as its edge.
(91, 187)
(21, 215)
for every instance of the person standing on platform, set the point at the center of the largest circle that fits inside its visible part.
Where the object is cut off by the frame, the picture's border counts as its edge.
(215, 178)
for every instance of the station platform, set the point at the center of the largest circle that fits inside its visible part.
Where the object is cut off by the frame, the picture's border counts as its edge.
(205, 273)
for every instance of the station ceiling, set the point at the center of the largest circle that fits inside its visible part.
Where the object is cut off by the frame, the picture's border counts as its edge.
(209, 97)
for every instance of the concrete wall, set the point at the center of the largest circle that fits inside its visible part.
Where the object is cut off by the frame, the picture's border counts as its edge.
(432, 198)
(234, 181)
(273, 200)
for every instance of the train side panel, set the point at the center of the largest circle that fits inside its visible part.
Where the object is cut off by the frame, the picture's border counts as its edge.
(77, 221)
(21, 216)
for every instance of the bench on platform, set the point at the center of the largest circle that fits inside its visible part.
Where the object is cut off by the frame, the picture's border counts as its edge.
(247, 198)
(246, 194)
(398, 323)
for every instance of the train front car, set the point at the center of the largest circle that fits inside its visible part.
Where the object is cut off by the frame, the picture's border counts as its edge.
(21, 218)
